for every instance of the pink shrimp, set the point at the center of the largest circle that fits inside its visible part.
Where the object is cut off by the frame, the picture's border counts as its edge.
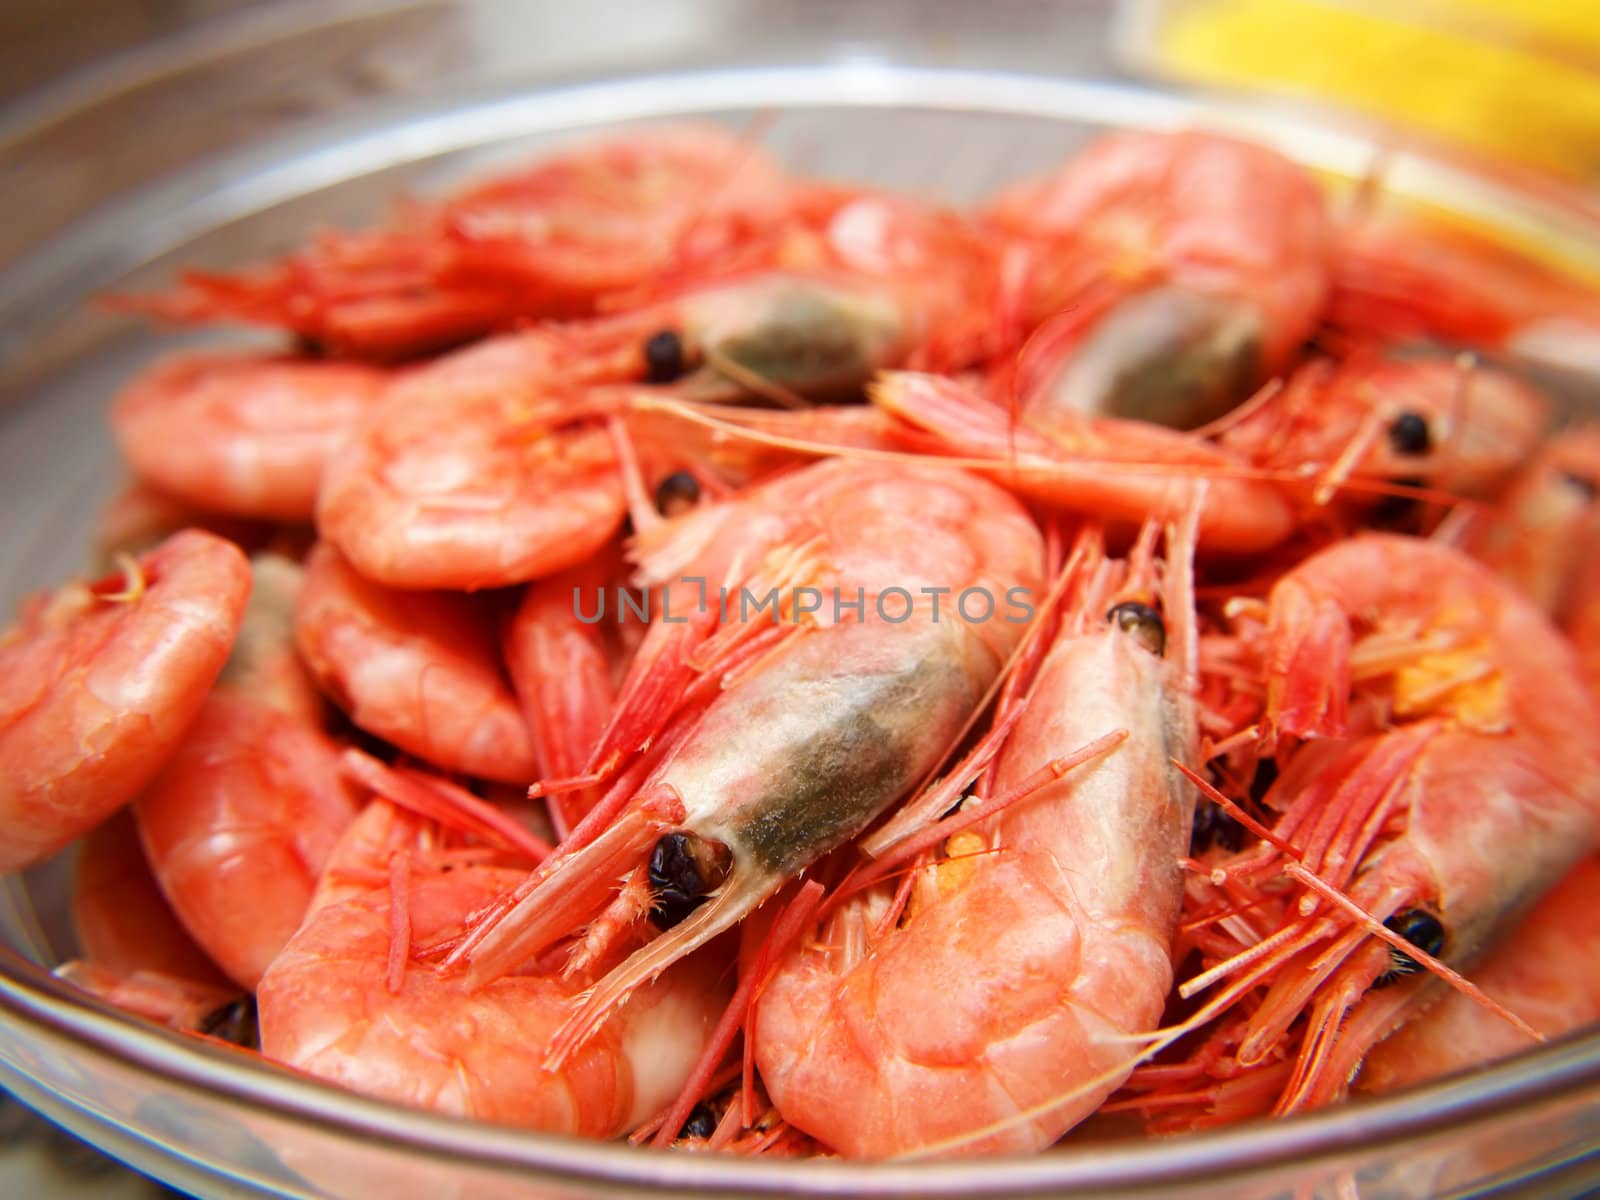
(865, 281)
(99, 681)
(483, 469)
(547, 240)
(999, 1009)
(1122, 471)
(1542, 971)
(1448, 425)
(239, 824)
(1188, 268)
(817, 727)
(122, 920)
(421, 669)
(1440, 793)
(247, 435)
(1400, 278)
(348, 1002)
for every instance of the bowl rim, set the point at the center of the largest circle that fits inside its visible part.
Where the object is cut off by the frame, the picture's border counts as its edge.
(79, 260)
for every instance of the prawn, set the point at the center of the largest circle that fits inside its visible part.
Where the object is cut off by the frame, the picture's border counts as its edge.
(1542, 971)
(546, 240)
(486, 468)
(1036, 942)
(347, 1000)
(823, 724)
(245, 435)
(419, 669)
(99, 681)
(1186, 268)
(1420, 713)
(1118, 470)
(238, 825)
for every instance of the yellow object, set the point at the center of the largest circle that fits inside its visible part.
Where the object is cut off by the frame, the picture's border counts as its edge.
(1517, 79)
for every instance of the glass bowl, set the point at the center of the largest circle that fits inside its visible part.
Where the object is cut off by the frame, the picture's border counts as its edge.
(226, 145)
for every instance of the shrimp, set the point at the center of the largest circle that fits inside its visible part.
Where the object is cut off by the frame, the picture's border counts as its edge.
(239, 824)
(1542, 971)
(1191, 268)
(1122, 471)
(348, 1002)
(1400, 278)
(547, 240)
(242, 434)
(869, 281)
(1546, 522)
(483, 469)
(99, 681)
(1439, 793)
(1450, 425)
(420, 669)
(825, 723)
(1038, 941)
(123, 922)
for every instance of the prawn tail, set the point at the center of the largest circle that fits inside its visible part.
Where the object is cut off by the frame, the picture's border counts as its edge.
(644, 965)
(958, 419)
(573, 892)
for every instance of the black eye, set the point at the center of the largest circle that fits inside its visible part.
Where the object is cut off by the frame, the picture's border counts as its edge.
(234, 1022)
(1143, 622)
(677, 493)
(663, 357)
(1423, 930)
(702, 1123)
(1409, 434)
(684, 869)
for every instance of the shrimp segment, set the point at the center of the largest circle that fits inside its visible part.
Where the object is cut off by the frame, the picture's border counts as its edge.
(99, 682)
(333, 1004)
(421, 669)
(252, 802)
(806, 745)
(242, 434)
(475, 471)
(1035, 944)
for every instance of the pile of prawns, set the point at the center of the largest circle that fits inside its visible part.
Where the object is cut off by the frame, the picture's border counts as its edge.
(1295, 727)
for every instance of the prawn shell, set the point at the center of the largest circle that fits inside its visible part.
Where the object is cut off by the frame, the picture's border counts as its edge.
(90, 709)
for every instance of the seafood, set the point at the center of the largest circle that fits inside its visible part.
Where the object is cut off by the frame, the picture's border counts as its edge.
(123, 922)
(347, 1002)
(99, 681)
(480, 470)
(1038, 941)
(1438, 705)
(1120, 470)
(1187, 268)
(245, 435)
(1544, 973)
(252, 800)
(421, 669)
(547, 240)
(825, 729)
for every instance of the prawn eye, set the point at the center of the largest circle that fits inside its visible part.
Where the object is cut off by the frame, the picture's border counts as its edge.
(684, 869)
(234, 1022)
(702, 1123)
(1409, 434)
(1419, 927)
(1143, 622)
(663, 357)
(677, 493)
